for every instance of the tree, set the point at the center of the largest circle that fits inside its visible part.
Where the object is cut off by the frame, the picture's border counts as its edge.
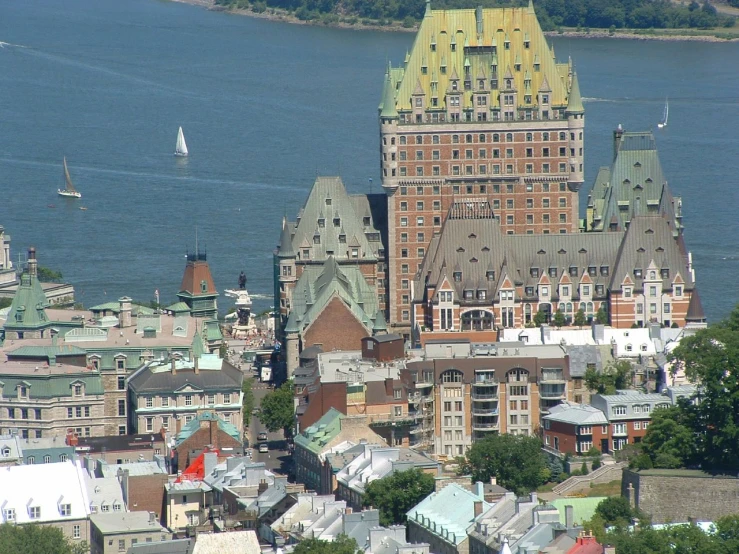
(580, 318)
(615, 376)
(395, 494)
(517, 462)
(540, 318)
(670, 442)
(46, 275)
(5, 302)
(340, 545)
(615, 510)
(711, 358)
(601, 317)
(277, 409)
(559, 319)
(39, 539)
(247, 404)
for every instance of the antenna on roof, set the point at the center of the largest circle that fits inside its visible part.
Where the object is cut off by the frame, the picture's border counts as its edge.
(196, 240)
(370, 185)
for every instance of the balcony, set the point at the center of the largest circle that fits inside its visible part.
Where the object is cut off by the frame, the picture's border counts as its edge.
(487, 382)
(484, 426)
(386, 420)
(424, 384)
(480, 397)
(552, 391)
(417, 397)
(485, 412)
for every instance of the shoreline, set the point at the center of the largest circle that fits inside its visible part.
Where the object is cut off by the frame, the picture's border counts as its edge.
(274, 14)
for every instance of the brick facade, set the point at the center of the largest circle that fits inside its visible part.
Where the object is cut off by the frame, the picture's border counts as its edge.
(335, 329)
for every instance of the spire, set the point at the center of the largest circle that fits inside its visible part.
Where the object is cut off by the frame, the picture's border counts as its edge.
(574, 105)
(387, 110)
(531, 7)
(427, 13)
(286, 244)
(198, 349)
(695, 309)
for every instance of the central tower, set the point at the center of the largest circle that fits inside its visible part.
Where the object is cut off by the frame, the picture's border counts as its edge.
(480, 108)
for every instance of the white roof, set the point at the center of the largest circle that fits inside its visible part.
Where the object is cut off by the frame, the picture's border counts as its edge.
(105, 490)
(233, 542)
(44, 486)
(577, 414)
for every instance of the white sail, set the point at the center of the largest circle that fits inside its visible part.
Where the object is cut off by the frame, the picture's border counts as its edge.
(68, 189)
(181, 148)
(665, 115)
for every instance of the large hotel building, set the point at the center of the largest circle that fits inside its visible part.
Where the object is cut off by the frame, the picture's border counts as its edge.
(480, 109)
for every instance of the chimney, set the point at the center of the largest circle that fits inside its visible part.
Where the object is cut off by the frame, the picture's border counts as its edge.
(608, 549)
(389, 386)
(569, 516)
(263, 486)
(348, 511)
(478, 489)
(493, 480)
(173, 364)
(196, 365)
(478, 507)
(32, 263)
(213, 426)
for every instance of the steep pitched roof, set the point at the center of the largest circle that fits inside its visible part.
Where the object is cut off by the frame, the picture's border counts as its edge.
(197, 280)
(328, 222)
(28, 310)
(574, 102)
(286, 249)
(319, 284)
(465, 43)
(695, 312)
(194, 425)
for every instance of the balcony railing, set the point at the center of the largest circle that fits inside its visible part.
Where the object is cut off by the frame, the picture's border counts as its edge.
(491, 382)
(477, 397)
(485, 411)
(391, 419)
(552, 391)
(484, 426)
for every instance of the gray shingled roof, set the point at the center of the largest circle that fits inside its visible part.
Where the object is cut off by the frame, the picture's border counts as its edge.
(227, 378)
(328, 214)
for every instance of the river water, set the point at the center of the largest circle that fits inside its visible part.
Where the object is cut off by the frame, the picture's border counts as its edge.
(266, 106)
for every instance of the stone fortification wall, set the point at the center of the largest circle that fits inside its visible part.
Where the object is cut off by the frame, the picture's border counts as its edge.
(673, 496)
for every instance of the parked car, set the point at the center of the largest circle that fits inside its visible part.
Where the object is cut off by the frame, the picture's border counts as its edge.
(262, 436)
(263, 447)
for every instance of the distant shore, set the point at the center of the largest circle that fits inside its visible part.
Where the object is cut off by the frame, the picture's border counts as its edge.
(274, 14)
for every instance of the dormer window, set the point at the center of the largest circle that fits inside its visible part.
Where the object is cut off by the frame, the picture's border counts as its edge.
(490, 275)
(529, 291)
(637, 273)
(604, 270)
(78, 389)
(573, 271)
(652, 275)
(457, 276)
(468, 294)
(534, 272)
(321, 222)
(552, 271)
(316, 239)
(328, 201)
(203, 286)
(22, 392)
(481, 294)
(342, 238)
(65, 509)
(337, 222)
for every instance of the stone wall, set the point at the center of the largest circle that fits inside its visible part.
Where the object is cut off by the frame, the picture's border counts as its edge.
(678, 495)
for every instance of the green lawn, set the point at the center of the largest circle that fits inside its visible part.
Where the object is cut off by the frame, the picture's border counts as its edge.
(605, 489)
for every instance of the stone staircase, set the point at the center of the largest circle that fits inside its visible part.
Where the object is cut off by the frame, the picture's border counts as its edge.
(604, 474)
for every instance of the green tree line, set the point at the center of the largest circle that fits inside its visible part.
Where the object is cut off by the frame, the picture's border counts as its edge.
(553, 14)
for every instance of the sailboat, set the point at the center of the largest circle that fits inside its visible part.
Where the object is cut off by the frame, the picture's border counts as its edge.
(181, 148)
(663, 123)
(68, 189)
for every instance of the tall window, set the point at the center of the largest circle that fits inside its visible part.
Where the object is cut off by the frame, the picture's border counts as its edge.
(477, 320)
(446, 318)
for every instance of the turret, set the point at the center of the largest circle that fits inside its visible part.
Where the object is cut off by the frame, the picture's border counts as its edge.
(388, 134)
(32, 263)
(575, 113)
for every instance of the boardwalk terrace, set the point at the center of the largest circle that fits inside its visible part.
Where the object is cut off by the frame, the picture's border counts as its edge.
(480, 107)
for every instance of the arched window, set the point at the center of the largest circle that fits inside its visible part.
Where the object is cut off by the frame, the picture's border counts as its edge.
(451, 376)
(47, 459)
(590, 306)
(517, 375)
(477, 320)
(509, 137)
(569, 307)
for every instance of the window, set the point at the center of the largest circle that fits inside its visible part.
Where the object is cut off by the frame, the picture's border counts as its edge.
(619, 410)
(149, 424)
(149, 402)
(121, 545)
(121, 382)
(65, 509)
(211, 399)
(34, 512)
(188, 400)
(121, 430)
(619, 428)
(165, 401)
(226, 398)
(637, 425)
(9, 514)
(47, 460)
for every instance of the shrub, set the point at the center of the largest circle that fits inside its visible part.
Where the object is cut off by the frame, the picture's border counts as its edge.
(596, 464)
(584, 468)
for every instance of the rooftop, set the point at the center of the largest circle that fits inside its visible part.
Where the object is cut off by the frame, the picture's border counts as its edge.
(125, 522)
(348, 366)
(576, 414)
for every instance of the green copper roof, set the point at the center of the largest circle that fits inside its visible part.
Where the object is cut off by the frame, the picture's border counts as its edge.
(286, 243)
(318, 435)
(574, 104)
(387, 108)
(212, 331)
(319, 284)
(197, 345)
(178, 307)
(188, 430)
(53, 386)
(28, 308)
(380, 323)
(46, 351)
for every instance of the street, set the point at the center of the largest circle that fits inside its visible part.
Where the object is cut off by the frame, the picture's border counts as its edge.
(277, 459)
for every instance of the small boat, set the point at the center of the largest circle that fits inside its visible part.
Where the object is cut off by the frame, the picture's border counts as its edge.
(51, 206)
(663, 123)
(83, 208)
(68, 190)
(181, 147)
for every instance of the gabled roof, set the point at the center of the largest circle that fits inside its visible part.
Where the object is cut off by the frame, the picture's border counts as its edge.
(194, 425)
(328, 213)
(214, 374)
(318, 285)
